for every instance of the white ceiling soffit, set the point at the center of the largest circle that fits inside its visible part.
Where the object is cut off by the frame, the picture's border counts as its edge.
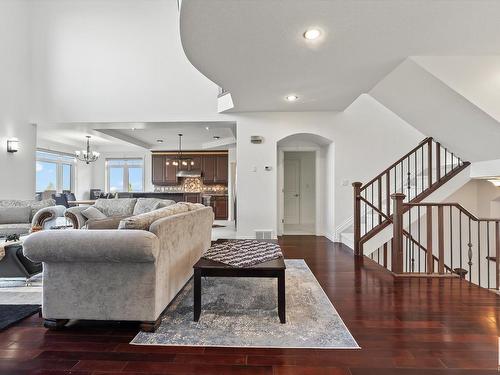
(164, 135)
(256, 51)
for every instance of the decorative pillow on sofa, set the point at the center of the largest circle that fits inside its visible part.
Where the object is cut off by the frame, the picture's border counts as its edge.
(144, 221)
(107, 223)
(116, 206)
(15, 215)
(92, 213)
(144, 205)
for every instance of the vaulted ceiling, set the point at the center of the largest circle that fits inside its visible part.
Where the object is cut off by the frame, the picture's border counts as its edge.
(256, 49)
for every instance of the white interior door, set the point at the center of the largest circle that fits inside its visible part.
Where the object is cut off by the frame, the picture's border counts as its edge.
(291, 191)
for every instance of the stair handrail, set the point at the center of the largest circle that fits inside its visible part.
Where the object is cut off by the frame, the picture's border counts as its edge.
(420, 161)
(395, 164)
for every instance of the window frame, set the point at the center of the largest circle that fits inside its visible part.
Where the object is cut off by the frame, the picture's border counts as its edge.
(59, 162)
(126, 174)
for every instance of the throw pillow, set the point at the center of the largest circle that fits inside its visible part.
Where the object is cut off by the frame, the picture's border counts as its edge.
(144, 221)
(15, 215)
(116, 206)
(144, 205)
(93, 213)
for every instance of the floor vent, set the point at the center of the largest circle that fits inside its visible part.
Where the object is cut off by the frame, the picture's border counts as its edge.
(263, 234)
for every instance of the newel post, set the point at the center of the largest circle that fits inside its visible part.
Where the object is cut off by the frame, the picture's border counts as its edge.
(397, 227)
(357, 218)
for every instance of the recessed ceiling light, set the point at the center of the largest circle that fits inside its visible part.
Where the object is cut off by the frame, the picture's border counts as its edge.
(206, 127)
(159, 140)
(292, 98)
(216, 137)
(312, 33)
(133, 128)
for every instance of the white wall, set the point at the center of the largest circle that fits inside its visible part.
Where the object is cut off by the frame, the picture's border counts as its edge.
(18, 169)
(111, 61)
(480, 197)
(366, 138)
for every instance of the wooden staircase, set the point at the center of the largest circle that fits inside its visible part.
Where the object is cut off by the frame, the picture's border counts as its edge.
(427, 239)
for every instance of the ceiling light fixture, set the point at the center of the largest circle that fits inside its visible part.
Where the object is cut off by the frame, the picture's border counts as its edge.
(207, 128)
(312, 34)
(292, 98)
(216, 137)
(86, 155)
(159, 141)
(179, 159)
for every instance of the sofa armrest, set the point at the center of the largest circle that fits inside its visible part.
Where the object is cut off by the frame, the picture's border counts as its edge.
(92, 246)
(46, 214)
(74, 214)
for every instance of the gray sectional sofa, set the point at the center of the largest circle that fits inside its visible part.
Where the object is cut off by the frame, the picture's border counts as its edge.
(130, 274)
(18, 216)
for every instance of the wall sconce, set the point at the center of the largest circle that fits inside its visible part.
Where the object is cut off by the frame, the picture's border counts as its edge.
(12, 145)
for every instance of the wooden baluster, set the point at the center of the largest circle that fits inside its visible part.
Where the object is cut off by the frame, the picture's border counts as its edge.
(357, 218)
(429, 163)
(430, 259)
(385, 255)
(497, 250)
(379, 198)
(438, 161)
(440, 240)
(388, 192)
(397, 226)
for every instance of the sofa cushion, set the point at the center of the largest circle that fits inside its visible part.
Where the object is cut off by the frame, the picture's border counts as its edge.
(93, 213)
(8, 229)
(116, 207)
(35, 205)
(193, 206)
(17, 215)
(144, 221)
(106, 223)
(144, 205)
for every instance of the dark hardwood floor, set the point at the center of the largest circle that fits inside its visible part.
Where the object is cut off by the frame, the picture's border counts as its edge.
(404, 326)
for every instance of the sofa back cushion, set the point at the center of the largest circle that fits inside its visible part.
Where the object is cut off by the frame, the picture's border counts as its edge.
(93, 213)
(116, 207)
(35, 205)
(15, 215)
(144, 205)
(144, 221)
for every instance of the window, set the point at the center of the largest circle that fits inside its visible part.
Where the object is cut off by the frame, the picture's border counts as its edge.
(54, 171)
(124, 175)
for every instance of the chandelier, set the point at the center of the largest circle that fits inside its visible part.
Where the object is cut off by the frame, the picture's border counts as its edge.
(86, 155)
(179, 159)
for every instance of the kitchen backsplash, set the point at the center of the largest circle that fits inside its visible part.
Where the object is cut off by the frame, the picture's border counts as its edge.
(191, 185)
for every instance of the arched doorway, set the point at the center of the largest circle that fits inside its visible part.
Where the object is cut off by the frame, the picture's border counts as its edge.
(304, 169)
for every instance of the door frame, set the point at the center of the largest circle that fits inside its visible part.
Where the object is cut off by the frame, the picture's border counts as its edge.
(281, 184)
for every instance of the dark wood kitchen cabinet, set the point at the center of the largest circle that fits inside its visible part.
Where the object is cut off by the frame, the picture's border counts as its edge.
(192, 197)
(220, 206)
(221, 169)
(208, 169)
(163, 174)
(214, 170)
(158, 169)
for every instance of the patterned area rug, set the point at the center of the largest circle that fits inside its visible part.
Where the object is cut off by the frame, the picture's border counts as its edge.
(242, 312)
